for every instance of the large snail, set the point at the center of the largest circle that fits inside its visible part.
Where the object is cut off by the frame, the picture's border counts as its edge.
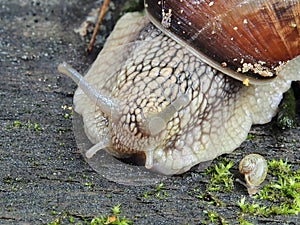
(157, 92)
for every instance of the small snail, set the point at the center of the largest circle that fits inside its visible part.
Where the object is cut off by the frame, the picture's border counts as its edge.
(255, 169)
(153, 95)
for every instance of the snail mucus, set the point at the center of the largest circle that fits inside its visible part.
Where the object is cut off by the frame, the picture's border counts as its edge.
(167, 87)
(255, 168)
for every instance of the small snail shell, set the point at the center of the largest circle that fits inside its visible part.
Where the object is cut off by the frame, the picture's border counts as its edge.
(255, 169)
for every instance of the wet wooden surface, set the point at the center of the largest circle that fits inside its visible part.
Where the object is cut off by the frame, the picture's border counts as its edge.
(42, 175)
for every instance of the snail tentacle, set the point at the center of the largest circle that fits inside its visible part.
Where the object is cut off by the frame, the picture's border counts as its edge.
(149, 158)
(105, 143)
(156, 123)
(250, 188)
(106, 104)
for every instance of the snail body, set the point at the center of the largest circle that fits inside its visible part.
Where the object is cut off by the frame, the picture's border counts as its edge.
(151, 97)
(255, 169)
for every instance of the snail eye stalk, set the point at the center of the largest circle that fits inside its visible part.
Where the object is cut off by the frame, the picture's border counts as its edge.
(106, 104)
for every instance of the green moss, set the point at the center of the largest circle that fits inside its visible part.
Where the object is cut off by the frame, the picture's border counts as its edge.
(88, 184)
(158, 193)
(133, 6)
(250, 136)
(68, 112)
(112, 219)
(25, 125)
(71, 219)
(220, 181)
(55, 222)
(16, 124)
(215, 217)
(253, 208)
(287, 111)
(68, 115)
(221, 177)
(242, 221)
(211, 199)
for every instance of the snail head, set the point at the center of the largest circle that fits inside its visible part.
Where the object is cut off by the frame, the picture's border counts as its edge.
(137, 122)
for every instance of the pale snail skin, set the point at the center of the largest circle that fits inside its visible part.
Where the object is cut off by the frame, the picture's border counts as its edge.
(154, 98)
(255, 168)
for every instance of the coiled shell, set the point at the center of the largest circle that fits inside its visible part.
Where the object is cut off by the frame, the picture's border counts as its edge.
(255, 169)
(252, 36)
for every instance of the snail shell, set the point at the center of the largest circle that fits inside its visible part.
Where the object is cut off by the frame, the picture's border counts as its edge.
(255, 168)
(148, 96)
(254, 36)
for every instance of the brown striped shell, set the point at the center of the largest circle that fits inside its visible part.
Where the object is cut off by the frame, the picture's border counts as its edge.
(248, 36)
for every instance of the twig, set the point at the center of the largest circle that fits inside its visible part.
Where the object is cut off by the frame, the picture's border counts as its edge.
(102, 11)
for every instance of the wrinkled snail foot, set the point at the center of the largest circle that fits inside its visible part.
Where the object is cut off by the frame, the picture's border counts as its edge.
(108, 166)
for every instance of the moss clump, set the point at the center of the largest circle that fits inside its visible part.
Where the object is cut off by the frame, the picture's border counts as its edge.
(113, 219)
(215, 218)
(133, 6)
(221, 177)
(158, 193)
(287, 111)
(25, 125)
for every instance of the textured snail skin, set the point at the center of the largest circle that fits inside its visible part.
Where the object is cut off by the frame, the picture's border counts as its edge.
(169, 107)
